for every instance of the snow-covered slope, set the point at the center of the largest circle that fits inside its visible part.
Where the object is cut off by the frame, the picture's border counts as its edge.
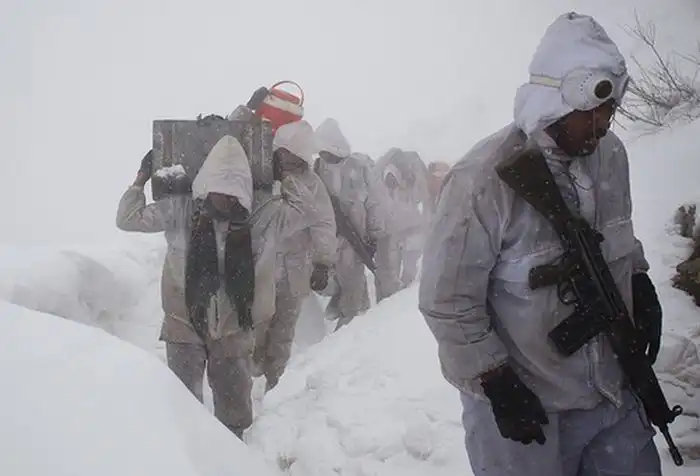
(374, 402)
(665, 169)
(112, 286)
(665, 172)
(115, 287)
(78, 402)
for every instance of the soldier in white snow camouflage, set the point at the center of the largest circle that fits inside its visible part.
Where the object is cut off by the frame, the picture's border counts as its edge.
(218, 230)
(306, 256)
(351, 180)
(492, 329)
(404, 176)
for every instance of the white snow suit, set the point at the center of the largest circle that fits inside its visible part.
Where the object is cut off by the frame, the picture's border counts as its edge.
(475, 296)
(315, 244)
(363, 200)
(227, 351)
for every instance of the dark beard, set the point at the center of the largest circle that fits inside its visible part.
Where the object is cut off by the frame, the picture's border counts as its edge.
(202, 276)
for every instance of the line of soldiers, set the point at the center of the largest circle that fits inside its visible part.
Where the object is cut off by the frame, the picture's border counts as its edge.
(239, 265)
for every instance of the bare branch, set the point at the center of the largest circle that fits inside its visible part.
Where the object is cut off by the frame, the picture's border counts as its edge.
(661, 93)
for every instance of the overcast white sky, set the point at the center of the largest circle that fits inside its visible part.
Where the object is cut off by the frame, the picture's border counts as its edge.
(81, 81)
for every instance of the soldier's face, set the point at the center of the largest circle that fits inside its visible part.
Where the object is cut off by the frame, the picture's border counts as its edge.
(224, 207)
(579, 133)
(391, 181)
(286, 163)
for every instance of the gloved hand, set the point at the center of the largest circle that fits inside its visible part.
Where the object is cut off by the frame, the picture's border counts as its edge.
(319, 277)
(146, 169)
(647, 313)
(257, 98)
(518, 411)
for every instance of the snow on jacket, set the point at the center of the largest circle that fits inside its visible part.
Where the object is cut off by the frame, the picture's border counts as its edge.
(316, 244)
(409, 206)
(405, 212)
(361, 195)
(351, 180)
(474, 289)
(272, 222)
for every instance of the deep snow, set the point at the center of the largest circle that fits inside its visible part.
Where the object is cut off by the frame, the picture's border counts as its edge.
(78, 402)
(113, 286)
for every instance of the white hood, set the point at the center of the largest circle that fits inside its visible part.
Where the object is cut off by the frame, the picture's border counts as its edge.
(298, 138)
(392, 169)
(573, 41)
(329, 138)
(226, 170)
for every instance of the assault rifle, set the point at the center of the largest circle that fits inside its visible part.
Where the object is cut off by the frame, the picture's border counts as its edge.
(583, 279)
(347, 230)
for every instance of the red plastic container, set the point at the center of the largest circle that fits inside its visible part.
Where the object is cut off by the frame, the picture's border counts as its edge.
(281, 107)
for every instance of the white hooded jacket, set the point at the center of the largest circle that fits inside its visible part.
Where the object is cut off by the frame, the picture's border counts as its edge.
(225, 170)
(474, 291)
(317, 243)
(352, 181)
(409, 205)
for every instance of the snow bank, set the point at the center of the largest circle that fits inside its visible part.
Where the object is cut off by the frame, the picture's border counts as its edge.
(79, 402)
(111, 286)
(115, 287)
(665, 169)
(373, 401)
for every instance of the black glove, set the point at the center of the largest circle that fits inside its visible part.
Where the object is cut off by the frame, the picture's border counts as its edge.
(647, 313)
(319, 277)
(147, 164)
(519, 413)
(257, 98)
